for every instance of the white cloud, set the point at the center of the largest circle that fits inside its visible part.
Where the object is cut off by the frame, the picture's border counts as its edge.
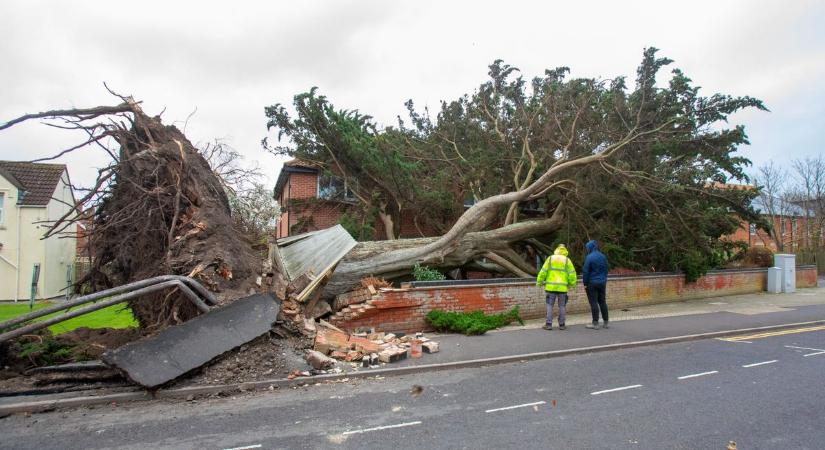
(230, 60)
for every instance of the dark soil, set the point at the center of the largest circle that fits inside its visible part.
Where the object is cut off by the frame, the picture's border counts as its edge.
(262, 359)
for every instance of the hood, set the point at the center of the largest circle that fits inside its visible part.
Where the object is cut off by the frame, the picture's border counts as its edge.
(591, 246)
(561, 250)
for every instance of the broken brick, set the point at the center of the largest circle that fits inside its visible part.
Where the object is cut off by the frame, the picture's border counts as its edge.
(430, 347)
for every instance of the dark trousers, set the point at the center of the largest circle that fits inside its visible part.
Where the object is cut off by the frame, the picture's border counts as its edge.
(596, 294)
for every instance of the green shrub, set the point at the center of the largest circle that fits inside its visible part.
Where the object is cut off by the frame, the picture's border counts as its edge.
(424, 273)
(471, 323)
(46, 352)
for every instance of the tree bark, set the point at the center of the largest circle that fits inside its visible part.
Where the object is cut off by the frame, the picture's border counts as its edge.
(370, 258)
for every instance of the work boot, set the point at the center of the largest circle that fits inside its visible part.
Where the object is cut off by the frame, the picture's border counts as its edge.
(593, 326)
(604, 325)
(562, 327)
(547, 327)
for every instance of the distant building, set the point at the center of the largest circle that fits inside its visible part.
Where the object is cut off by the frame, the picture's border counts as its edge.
(31, 195)
(794, 227)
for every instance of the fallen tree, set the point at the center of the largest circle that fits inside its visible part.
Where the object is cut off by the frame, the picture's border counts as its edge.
(639, 168)
(156, 209)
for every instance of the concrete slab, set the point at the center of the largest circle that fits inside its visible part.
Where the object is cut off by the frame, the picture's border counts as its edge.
(177, 350)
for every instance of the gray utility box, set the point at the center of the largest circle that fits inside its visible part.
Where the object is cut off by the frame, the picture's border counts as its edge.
(787, 263)
(774, 280)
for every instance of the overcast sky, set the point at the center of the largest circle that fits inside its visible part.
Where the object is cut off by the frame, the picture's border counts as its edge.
(226, 61)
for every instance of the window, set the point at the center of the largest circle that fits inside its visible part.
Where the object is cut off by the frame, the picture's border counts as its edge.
(2, 197)
(331, 187)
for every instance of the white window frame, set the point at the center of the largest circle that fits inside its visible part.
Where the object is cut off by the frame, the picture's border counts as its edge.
(348, 194)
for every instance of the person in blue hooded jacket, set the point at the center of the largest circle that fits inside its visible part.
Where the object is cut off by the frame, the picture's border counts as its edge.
(594, 278)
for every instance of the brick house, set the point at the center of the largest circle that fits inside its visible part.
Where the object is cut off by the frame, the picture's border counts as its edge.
(311, 200)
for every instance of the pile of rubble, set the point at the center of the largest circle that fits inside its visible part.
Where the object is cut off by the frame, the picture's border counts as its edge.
(365, 347)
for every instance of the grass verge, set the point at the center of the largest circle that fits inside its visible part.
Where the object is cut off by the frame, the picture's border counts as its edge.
(115, 316)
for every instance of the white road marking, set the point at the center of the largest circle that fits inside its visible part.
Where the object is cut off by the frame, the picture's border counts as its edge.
(406, 424)
(245, 448)
(616, 389)
(817, 351)
(516, 406)
(735, 342)
(760, 363)
(685, 377)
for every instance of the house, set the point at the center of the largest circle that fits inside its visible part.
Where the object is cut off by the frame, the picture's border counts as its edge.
(31, 195)
(312, 199)
(794, 227)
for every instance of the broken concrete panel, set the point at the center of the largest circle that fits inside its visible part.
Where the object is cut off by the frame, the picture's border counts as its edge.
(177, 350)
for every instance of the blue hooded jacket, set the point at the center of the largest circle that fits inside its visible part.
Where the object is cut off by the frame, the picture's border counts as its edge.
(595, 265)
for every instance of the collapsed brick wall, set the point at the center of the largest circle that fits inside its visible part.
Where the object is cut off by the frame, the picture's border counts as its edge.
(404, 310)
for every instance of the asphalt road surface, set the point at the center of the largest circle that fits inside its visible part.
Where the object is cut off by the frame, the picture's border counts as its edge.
(764, 392)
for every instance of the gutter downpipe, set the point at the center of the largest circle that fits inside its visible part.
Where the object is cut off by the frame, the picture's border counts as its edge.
(17, 269)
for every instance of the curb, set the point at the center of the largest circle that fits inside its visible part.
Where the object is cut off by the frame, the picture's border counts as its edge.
(226, 389)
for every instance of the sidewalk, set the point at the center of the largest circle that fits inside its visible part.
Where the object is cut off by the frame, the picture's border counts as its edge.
(632, 325)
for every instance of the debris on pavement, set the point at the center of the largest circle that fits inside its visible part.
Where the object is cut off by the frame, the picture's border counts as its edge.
(177, 350)
(366, 345)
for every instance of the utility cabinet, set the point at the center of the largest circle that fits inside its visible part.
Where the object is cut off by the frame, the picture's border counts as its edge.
(787, 264)
(774, 280)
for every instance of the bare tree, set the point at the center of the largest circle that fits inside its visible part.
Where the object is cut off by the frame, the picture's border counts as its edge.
(809, 177)
(772, 181)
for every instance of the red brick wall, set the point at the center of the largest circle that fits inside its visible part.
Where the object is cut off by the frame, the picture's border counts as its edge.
(326, 214)
(404, 309)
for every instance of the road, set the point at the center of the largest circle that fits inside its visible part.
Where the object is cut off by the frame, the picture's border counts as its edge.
(763, 391)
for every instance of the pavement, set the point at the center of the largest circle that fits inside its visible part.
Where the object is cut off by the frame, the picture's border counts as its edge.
(761, 390)
(633, 325)
(649, 325)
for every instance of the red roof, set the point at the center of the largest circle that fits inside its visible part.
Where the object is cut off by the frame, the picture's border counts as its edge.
(38, 181)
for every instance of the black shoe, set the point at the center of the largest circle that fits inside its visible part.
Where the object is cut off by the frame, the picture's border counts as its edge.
(592, 326)
(562, 327)
(547, 327)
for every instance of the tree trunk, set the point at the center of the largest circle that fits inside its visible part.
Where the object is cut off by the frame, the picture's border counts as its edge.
(390, 258)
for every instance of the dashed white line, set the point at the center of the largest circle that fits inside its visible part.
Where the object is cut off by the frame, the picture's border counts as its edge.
(694, 375)
(386, 427)
(245, 448)
(760, 363)
(616, 389)
(516, 406)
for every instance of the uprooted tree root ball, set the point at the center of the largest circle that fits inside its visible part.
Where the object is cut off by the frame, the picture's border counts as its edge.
(157, 209)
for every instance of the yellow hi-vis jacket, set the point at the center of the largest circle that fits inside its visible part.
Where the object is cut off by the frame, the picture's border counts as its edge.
(557, 274)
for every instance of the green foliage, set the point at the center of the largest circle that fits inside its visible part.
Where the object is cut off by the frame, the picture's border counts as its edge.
(46, 351)
(471, 323)
(424, 273)
(361, 228)
(655, 204)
